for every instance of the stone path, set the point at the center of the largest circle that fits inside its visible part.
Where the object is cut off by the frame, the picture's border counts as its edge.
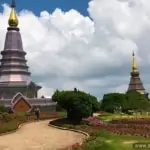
(39, 136)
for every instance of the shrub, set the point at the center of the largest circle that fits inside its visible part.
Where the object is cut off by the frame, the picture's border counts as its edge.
(1, 116)
(27, 114)
(78, 104)
(59, 108)
(2, 108)
(6, 127)
(94, 121)
(7, 117)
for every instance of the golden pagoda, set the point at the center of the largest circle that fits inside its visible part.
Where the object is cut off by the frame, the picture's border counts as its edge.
(135, 84)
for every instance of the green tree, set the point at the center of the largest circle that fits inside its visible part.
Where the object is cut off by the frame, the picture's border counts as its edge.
(137, 101)
(95, 104)
(78, 104)
(111, 101)
(129, 101)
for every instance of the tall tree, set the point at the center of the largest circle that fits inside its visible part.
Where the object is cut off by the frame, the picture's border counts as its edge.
(78, 104)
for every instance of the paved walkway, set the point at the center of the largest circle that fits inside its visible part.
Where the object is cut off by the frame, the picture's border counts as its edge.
(39, 136)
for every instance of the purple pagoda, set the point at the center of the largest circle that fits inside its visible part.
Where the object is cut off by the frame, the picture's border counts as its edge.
(15, 77)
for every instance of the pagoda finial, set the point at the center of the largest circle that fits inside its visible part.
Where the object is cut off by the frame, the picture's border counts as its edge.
(134, 65)
(13, 5)
(13, 20)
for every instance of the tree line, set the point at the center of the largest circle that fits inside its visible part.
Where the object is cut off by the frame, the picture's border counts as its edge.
(127, 101)
(79, 104)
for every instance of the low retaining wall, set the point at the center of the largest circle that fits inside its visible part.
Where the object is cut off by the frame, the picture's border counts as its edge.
(74, 130)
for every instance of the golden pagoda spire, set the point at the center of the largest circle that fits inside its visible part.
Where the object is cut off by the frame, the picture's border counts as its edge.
(13, 20)
(134, 65)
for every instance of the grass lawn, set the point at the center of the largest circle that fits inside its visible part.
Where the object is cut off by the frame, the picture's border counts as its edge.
(102, 140)
(109, 116)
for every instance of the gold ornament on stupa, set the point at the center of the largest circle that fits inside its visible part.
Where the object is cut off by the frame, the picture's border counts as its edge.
(13, 20)
(134, 65)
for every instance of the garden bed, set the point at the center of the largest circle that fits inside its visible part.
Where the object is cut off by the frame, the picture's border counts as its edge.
(136, 127)
(102, 135)
(10, 122)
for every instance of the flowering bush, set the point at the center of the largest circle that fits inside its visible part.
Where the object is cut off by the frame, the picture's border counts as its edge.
(76, 145)
(94, 121)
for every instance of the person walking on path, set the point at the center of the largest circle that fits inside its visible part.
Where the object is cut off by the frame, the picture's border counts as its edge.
(37, 113)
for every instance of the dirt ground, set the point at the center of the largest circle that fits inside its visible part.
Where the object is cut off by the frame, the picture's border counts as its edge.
(39, 136)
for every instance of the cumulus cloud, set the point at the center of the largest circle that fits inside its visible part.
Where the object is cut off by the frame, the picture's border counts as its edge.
(67, 50)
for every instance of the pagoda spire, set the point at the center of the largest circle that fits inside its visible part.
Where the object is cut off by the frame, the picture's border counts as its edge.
(134, 65)
(135, 84)
(13, 20)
